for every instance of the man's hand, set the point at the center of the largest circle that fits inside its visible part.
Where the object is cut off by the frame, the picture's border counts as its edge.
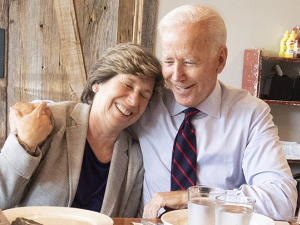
(32, 127)
(24, 109)
(169, 200)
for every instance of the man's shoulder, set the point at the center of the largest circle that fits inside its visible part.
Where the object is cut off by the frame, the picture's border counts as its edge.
(240, 98)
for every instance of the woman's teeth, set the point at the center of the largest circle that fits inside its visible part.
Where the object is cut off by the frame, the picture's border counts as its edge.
(124, 111)
(180, 88)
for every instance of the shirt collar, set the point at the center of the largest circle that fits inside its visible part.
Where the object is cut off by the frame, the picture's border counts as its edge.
(211, 106)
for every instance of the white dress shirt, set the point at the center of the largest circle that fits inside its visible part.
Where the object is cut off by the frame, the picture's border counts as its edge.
(237, 144)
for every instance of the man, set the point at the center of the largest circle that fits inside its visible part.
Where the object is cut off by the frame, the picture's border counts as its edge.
(238, 146)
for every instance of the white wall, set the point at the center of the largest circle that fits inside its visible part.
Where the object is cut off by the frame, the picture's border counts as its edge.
(257, 24)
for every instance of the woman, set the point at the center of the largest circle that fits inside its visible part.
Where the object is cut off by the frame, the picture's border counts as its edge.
(89, 160)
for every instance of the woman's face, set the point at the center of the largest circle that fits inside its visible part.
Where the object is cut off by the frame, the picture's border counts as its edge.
(121, 101)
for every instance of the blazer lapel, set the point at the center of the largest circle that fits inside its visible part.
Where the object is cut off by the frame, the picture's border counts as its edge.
(117, 173)
(76, 137)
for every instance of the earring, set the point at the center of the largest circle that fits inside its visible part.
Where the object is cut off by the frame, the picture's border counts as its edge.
(95, 88)
(166, 84)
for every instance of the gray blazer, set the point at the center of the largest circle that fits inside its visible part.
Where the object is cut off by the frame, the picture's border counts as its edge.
(50, 178)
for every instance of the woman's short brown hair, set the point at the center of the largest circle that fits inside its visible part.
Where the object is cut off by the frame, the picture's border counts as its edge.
(124, 58)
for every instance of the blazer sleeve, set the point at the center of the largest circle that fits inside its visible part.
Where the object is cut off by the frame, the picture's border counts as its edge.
(16, 169)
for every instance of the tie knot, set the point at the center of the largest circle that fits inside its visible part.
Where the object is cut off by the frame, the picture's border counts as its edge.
(190, 113)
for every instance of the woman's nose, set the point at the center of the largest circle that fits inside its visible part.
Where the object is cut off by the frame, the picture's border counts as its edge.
(133, 98)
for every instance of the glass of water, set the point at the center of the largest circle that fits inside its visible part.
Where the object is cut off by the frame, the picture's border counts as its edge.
(201, 204)
(234, 210)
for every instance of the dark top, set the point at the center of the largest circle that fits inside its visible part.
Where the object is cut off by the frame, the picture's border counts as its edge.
(92, 182)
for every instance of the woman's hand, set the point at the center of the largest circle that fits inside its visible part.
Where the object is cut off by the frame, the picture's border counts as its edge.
(31, 123)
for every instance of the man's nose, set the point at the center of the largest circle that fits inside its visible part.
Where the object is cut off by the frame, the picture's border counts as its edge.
(178, 72)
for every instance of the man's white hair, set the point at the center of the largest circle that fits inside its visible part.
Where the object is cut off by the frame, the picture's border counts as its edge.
(192, 14)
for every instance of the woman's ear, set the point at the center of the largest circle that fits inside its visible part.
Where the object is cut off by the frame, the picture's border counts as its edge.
(222, 57)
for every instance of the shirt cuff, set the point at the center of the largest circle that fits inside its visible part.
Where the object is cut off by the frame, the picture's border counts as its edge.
(26, 148)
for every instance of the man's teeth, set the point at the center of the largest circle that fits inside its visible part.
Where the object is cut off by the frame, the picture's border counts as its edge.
(124, 111)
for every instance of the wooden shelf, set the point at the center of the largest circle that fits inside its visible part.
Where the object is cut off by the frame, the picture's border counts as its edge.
(280, 59)
(277, 102)
(254, 73)
(294, 161)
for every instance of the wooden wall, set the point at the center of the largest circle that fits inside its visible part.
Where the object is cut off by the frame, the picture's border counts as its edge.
(50, 44)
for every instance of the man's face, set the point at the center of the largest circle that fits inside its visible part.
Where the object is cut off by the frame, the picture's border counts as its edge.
(188, 68)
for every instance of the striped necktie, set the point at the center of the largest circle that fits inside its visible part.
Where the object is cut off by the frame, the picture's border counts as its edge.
(184, 156)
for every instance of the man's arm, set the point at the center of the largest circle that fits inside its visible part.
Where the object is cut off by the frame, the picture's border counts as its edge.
(268, 176)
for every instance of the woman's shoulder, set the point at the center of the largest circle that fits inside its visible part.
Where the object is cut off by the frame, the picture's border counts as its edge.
(67, 106)
(69, 112)
(62, 105)
(134, 148)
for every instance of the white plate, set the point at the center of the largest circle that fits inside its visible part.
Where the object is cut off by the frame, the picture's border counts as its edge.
(50, 215)
(180, 217)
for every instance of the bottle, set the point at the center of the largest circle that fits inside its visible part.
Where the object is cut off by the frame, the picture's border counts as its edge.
(283, 44)
(297, 45)
(290, 45)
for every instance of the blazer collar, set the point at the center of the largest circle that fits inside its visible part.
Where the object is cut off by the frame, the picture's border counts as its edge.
(76, 137)
(117, 173)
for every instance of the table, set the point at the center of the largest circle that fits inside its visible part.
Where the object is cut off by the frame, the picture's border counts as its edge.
(128, 221)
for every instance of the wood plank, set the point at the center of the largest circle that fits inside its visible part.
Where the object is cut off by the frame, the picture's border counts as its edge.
(70, 45)
(2, 52)
(138, 27)
(137, 22)
(4, 6)
(98, 24)
(149, 24)
(126, 14)
(35, 70)
(54, 81)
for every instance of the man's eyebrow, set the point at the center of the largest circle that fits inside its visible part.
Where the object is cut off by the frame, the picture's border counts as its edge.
(166, 58)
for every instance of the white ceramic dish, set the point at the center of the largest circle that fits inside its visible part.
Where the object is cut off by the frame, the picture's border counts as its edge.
(48, 215)
(179, 217)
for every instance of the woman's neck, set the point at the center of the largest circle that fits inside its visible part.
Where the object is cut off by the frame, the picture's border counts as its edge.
(101, 141)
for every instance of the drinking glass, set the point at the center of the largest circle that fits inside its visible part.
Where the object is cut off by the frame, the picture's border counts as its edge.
(234, 210)
(201, 204)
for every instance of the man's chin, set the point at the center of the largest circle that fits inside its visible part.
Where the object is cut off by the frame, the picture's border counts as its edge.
(182, 101)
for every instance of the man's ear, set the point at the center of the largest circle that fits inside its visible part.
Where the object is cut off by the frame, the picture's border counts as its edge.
(222, 57)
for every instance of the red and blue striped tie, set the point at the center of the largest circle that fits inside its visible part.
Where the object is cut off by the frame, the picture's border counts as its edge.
(184, 157)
